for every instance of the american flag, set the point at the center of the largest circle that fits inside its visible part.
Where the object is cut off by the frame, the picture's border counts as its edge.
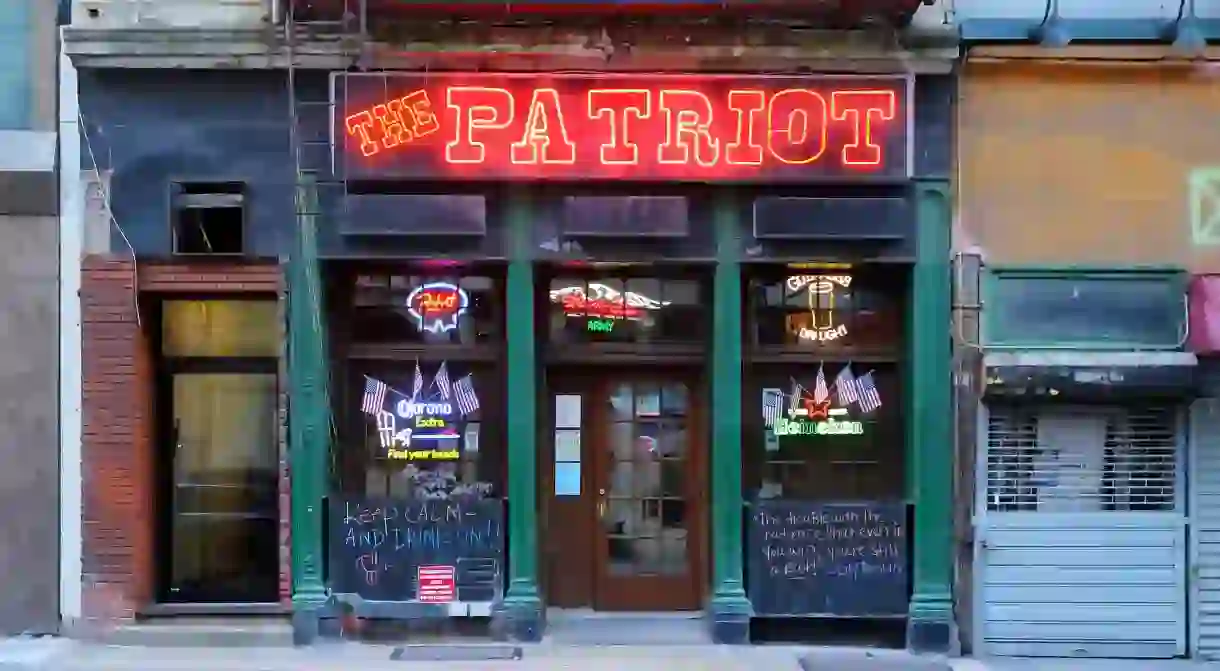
(846, 387)
(820, 392)
(794, 399)
(417, 385)
(870, 400)
(772, 399)
(442, 380)
(373, 400)
(467, 400)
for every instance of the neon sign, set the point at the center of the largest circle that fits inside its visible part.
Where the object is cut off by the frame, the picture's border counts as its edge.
(821, 292)
(436, 306)
(604, 303)
(649, 127)
(823, 411)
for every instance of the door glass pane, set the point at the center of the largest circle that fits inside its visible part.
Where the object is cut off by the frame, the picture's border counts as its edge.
(225, 523)
(220, 328)
(645, 519)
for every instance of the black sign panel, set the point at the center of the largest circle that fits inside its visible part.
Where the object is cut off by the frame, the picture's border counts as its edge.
(691, 128)
(377, 545)
(828, 559)
(1090, 382)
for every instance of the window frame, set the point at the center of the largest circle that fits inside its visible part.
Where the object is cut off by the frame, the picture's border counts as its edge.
(1174, 280)
(887, 282)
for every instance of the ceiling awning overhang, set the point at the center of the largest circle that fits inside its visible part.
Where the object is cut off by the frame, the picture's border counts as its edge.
(1068, 375)
(843, 14)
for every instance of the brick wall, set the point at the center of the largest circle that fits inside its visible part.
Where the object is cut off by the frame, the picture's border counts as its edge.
(118, 444)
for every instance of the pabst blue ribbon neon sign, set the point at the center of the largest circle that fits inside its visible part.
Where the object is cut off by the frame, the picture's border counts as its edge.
(436, 306)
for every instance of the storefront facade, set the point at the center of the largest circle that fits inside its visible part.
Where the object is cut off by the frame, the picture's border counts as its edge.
(1091, 458)
(593, 331)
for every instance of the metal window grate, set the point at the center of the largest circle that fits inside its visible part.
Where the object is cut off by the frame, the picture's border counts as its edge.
(1095, 460)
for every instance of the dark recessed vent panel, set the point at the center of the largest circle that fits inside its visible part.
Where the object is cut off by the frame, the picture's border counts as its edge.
(625, 217)
(407, 215)
(790, 218)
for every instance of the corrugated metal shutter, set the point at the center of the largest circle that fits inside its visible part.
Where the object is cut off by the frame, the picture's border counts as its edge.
(1205, 524)
(1082, 545)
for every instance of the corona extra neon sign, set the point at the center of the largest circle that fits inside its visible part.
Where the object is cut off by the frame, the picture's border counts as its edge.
(650, 127)
(436, 306)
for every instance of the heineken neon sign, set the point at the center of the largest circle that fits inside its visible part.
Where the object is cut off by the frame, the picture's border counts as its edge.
(826, 410)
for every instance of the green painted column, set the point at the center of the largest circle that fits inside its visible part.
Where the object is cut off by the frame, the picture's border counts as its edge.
(308, 418)
(730, 610)
(931, 625)
(522, 603)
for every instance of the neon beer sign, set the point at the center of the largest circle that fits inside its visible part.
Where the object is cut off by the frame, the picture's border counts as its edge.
(436, 306)
(821, 292)
(496, 126)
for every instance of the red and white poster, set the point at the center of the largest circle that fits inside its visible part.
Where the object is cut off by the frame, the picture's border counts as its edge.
(437, 584)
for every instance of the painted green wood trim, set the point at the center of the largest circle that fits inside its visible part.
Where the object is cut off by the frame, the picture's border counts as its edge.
(522, 601)
(930, 399)
(1175, 278)
(728, 588)
(309, 406)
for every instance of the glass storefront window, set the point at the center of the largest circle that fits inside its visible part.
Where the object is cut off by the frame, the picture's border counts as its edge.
(826, 310)
(1027, 309)
(626, 310)
(460, 452)
(856, 453)
(426, 309)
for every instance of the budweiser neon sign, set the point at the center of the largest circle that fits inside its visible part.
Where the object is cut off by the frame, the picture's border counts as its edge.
(602, 302)
(498, 126)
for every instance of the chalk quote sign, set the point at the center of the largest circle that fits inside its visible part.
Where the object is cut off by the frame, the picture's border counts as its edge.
(377, 545)
(814, 558)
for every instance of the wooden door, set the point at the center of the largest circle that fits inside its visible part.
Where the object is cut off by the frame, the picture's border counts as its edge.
(648, 482)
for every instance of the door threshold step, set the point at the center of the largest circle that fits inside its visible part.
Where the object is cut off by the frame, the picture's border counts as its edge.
(586, 627)
(178, 633)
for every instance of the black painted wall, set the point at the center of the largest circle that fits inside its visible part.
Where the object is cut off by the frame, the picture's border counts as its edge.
(155, 127)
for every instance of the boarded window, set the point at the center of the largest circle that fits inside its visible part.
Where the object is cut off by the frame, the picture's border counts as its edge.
(1118, 310)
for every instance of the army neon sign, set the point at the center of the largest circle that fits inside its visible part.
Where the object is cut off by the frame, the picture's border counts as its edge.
(620, 127)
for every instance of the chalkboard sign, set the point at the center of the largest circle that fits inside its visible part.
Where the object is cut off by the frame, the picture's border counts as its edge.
(376, 546)
(827, 559)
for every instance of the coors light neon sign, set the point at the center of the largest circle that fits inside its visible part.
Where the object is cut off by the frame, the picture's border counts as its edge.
(655, 127)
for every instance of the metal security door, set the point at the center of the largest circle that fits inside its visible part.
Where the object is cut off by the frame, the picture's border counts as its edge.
(1205, 522)
(1081, 548)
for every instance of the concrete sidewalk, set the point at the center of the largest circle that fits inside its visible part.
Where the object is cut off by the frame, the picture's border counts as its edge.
(65, 655)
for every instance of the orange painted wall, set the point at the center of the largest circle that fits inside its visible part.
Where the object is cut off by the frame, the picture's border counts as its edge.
(1085, 163)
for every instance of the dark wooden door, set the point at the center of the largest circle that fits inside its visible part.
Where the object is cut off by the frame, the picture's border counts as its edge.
(648, 486)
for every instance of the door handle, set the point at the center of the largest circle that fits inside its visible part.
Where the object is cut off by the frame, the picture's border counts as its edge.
(601, 504)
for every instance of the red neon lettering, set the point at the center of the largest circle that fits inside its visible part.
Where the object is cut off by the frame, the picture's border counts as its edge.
(688, 120)
(392, 131)
(617, 106)
(792, 114)
(476, 108)
(419, 108)
(359, 124)
(744, 149)
(876, 106)
(720, 132)
(430, 302)
(536, 140)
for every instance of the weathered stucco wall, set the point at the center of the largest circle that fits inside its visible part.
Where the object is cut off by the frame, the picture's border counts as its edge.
(1105, 164)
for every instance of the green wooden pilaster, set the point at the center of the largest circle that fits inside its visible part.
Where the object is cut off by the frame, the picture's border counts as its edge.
(931, 625)
(729, 607)
(522, 604)
(308, 417)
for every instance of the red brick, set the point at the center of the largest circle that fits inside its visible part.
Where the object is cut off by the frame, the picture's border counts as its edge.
(118, 448)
